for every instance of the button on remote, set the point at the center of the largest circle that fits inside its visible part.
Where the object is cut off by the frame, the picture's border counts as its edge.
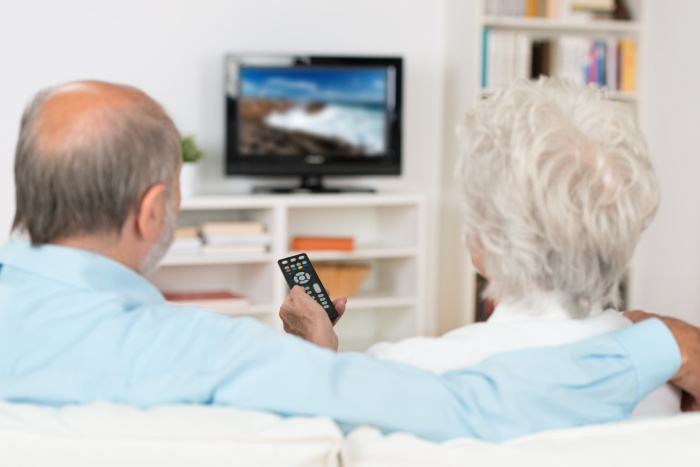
(302, 278)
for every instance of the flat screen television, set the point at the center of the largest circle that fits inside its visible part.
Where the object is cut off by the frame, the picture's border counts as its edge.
(310, 116)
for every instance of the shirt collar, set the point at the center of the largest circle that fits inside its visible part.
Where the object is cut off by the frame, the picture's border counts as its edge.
(81, 269)
(545, 307)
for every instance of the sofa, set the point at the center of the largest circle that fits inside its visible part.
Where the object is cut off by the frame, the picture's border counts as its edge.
(103, 434)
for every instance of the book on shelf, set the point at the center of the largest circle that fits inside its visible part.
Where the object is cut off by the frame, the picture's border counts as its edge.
(512, 55)
(628, 59)
(323, 243)
(222, 301)
(571, 10)
(187, 241)
(211, 229)
(234, 237)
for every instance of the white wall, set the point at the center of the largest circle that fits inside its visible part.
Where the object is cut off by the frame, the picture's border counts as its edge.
(669, 255)
(174, 50)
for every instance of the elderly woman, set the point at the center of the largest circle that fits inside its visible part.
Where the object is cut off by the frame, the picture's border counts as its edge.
(556, 188)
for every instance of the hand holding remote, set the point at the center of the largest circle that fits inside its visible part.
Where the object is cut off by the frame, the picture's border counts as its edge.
(298, 270)
(304, 317)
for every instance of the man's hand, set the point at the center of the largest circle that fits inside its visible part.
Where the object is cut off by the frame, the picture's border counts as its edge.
(688, 338)
(305, 318)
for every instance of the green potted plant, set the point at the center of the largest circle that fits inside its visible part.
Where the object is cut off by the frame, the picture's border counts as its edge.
(191, 155)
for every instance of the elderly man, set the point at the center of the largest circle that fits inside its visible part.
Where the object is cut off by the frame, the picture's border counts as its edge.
(97, 194)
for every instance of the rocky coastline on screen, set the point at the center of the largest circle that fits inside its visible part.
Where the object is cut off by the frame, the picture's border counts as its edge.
(258, 137)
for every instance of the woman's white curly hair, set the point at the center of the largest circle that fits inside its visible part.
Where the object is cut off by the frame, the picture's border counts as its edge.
(556, 187)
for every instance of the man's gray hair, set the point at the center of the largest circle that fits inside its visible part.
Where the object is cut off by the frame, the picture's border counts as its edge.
(556, 188)
(96, 177)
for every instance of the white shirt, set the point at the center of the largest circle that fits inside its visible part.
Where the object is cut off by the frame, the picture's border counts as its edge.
(515, 326)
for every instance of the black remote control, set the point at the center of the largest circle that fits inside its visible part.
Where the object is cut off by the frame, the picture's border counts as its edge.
(298, 270)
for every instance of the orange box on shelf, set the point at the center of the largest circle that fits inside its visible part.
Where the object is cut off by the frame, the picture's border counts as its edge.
(323, 243)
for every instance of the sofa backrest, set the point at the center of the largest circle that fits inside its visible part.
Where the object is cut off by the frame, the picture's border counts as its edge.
(670, 441)
(116, 435)
(104, 434)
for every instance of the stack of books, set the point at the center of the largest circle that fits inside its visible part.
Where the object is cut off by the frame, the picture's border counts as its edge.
(187, 241)
(234, 237)
(509, 55)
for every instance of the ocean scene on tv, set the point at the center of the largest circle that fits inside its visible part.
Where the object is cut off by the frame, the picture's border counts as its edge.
(300, 111)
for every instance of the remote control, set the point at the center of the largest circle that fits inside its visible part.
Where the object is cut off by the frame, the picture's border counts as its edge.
(298, 270)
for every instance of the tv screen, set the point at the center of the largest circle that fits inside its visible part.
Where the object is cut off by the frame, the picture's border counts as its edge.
(296, 111)
(313, 115)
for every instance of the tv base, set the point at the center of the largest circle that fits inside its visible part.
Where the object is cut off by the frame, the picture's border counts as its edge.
(311, 184)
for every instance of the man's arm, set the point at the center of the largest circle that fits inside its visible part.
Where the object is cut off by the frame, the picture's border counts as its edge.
(594, 381)
(304, 318)
(688, 376)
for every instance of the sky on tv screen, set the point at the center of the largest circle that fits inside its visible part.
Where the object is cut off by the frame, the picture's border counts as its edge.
(339, 85)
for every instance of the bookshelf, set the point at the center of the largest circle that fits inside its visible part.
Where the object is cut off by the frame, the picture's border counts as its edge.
(564, 25)
(389, 231)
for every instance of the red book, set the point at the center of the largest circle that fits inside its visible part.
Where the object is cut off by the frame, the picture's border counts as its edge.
(323, 243)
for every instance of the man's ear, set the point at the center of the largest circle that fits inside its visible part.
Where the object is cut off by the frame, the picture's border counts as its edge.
(151, 212)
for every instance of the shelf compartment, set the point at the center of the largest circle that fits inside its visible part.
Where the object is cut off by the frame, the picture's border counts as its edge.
(252, 280)
(369, 226)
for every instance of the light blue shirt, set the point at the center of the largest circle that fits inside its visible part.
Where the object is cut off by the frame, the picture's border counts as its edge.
(77, 327)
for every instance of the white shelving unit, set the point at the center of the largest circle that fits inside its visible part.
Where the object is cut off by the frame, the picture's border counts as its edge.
(390, 235)
(548, 28)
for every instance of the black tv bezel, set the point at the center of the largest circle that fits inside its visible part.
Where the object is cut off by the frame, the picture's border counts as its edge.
(338, 165)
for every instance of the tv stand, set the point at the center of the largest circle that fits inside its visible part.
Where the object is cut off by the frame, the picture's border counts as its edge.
(311, 184)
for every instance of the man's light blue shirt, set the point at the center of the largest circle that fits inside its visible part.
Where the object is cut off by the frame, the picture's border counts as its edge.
(77, 327)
